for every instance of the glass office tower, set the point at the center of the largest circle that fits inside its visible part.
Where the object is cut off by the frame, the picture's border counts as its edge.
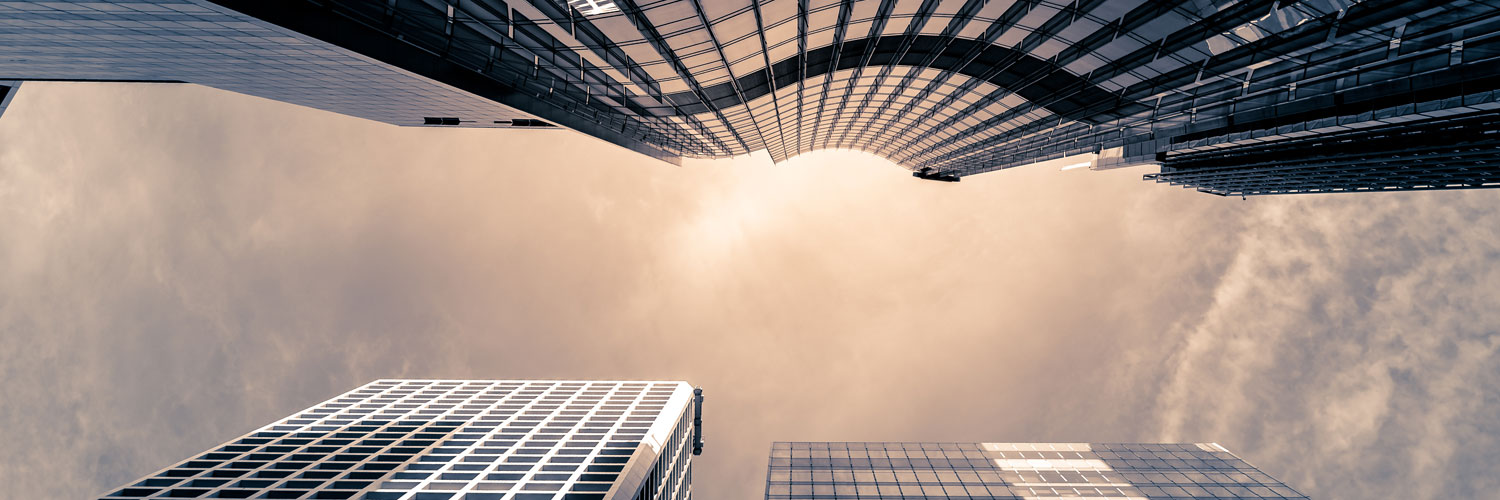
(8, 90)
(1232, 97)
(458, 440)
(1013, 471)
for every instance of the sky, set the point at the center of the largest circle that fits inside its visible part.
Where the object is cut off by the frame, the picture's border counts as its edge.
(180, 265)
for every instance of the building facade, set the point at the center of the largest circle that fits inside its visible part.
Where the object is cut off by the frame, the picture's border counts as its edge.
(458, 440)
(8, 90)
(836, 471)
(1232, 97)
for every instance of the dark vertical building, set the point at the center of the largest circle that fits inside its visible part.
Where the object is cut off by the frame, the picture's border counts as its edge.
(1232, 97)
(1006, 471)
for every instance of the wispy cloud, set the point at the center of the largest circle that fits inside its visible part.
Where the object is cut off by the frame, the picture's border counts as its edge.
(1350, 347)
(186, 264)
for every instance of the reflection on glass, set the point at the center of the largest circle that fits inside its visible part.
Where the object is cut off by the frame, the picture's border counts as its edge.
(837, 471)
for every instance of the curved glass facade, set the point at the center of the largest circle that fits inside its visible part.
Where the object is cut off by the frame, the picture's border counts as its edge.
(946, 88)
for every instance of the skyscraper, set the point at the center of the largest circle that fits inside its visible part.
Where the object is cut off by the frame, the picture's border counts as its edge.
(1233, 97)
(8, 90)
(835, 471)
(459, 440)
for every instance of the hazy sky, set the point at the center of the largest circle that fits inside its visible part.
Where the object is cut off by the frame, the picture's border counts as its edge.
(179, 265)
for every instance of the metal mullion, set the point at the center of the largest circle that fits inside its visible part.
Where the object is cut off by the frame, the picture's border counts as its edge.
(1194, 25)
(437, 443)
(682, 144)
(468, 451)
(733, 80)
(1330, 171)
(1034, 130)
(1016, 137)
(1440, 155)
(555, 73)
(877, 26)
(374, 484)
(353, 443)
(633, 12)
(593, 453)
(1469, 122)
(572, 479)
(520, 442)
(1073, 10)
(974, 131)
(1456, 29)
(623, 418)
(589, 51)
(1319, 176)
(765, 55)
(1282, 191)
(580, 84)
(965, 88)
(1206, 78)
(1010, 114)
(1068, 12)
(1278, 165)
(913, 28)
(674, 482)
(490, 434)
(982, 144)
(846, 9)
(230, 481)
(510, 451)
(1352, 71)
(962, 18)
(1361, 175)
(703, 135)
(802, 11)
(1005, 22)
(457, 407)
(184, 481)
(1112, 30)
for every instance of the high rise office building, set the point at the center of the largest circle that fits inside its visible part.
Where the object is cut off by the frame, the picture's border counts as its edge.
(458, 440)
(836, 471)
(1232, 97)
(8, 90)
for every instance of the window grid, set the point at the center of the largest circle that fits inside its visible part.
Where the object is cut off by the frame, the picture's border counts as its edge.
(995, 471)
(441, 439)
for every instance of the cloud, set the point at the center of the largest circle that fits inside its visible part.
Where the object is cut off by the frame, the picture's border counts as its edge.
(1350, 347)
(165, 278)
(188, 264)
